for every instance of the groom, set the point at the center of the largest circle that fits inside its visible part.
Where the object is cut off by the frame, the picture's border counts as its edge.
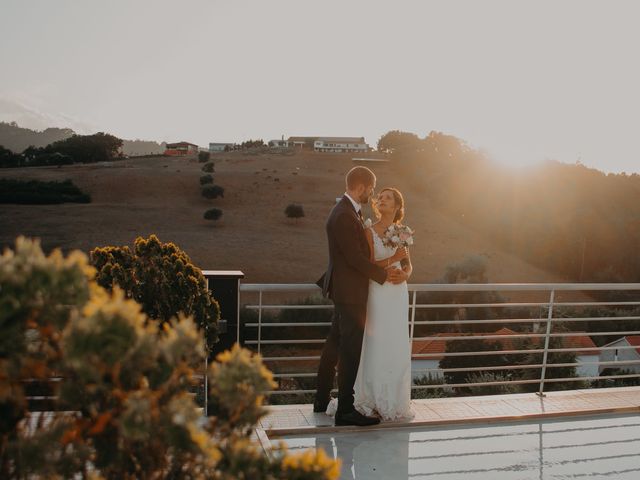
(346, 282)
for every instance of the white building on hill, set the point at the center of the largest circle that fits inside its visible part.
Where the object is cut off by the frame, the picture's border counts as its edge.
(220, 147)
(340, 144)
(625, 354)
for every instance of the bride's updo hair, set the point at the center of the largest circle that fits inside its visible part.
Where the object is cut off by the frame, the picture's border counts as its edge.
(397, 199)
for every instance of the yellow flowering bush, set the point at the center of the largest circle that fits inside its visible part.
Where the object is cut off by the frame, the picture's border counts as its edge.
(122, 407)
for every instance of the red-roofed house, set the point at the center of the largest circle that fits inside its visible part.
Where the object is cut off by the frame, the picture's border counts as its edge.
(180, 149)
(625, 354)
(436, 347)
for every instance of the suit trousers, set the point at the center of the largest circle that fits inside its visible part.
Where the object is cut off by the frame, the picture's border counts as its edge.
(342, 347)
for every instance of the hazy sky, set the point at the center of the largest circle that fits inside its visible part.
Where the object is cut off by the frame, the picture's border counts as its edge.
(524, 80)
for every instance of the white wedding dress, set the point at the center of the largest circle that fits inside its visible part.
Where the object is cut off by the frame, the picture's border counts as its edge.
(383, 381)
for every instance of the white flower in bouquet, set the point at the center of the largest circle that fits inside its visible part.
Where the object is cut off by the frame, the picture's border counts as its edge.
(397, 235)
(368, 223)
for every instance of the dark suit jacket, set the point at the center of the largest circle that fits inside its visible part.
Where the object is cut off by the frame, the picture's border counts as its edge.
(350, 268)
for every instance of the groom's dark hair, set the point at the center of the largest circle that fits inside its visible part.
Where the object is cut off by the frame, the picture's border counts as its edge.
(360, 176)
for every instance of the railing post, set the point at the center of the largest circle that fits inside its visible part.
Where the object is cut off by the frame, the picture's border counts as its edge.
(206, 368)
(411, 329)
(413, 318)
(546, 343)
(259, 319)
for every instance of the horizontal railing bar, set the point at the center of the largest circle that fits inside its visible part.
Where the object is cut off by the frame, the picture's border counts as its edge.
(482, 337)
(490, 368)
(285, 392)
(510, 352)
(456, 354)
(47, 379)
(475, 384)
(593, 304)
(473, 322)
(279, 287)
(481, 305)
(278, 342)
(452, 322)
(591, 319)
(289, 307)
(603, 377)
(294, 375)
(590, 349)
(486, 287)
(288, 359)
(457, 287)
(520, 320)
(289, 324)
(507, 382)
(520, 367)
(467, 354)
(477, 369)
(593, 334)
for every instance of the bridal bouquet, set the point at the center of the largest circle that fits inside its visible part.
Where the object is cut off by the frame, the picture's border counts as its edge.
(396, 236)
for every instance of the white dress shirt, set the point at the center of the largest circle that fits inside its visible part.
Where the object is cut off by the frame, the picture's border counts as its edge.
(356, 205)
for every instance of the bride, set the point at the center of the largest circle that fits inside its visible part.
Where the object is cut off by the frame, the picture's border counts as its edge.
(383, 381)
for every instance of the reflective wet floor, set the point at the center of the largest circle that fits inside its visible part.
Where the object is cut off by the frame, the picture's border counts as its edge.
(603, 446)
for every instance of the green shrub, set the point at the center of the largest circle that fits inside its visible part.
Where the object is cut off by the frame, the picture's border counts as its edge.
(208, 167)
(35, 192)
(203, 157)
(212, 191)
(213, 214)
(294, 211)
(161, 277)
(483, 377)
(430, 392)
(206, 179)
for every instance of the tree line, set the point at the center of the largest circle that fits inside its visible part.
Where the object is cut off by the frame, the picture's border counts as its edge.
(94, 148)
(565, 218)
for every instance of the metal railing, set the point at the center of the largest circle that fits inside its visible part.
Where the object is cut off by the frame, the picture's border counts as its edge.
(549, 309)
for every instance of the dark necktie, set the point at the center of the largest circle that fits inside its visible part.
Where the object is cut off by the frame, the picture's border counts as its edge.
(360, 216)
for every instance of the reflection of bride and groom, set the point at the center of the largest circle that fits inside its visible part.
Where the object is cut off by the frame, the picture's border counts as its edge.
(367, 281)
(383, 455)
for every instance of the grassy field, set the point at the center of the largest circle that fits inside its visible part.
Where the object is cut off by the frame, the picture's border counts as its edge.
(162, 195)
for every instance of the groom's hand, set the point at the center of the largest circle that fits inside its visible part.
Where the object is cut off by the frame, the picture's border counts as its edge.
(395, 275)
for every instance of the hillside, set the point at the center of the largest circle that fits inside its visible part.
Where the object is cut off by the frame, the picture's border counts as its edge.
(162, 196)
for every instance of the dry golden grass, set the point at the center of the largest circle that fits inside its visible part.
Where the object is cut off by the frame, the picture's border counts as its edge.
(162, 196)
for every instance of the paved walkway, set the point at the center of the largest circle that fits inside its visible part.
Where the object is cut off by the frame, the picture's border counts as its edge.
(300, 419)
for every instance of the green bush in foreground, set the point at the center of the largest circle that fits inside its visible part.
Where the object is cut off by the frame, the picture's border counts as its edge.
(35, 192)
(162, 278)
(122, 409)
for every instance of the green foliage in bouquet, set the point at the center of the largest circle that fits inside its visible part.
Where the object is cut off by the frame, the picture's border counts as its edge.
(122, 409)
(161, 278)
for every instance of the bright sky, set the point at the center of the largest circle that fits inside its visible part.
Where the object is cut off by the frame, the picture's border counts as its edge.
(523, 80)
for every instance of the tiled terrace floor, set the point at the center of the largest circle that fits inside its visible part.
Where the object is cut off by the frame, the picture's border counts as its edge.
(300, 419)
(565, 435)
